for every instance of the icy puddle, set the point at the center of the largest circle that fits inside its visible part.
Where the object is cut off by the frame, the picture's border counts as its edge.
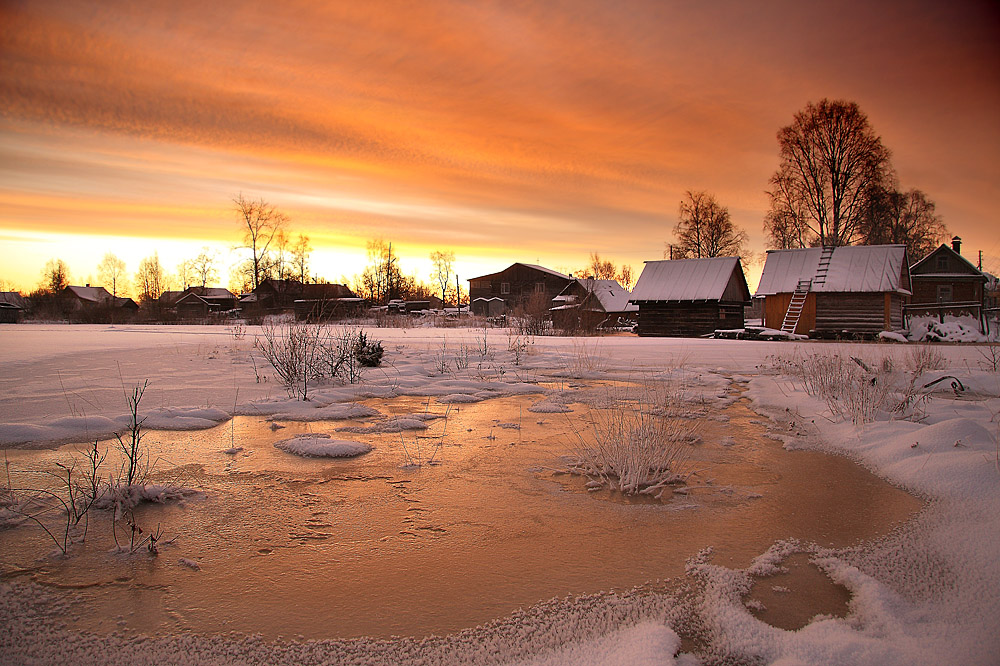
(376, 546)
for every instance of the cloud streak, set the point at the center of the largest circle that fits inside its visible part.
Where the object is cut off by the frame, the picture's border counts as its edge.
(573, 116)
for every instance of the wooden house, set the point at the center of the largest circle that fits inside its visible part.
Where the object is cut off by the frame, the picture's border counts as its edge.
(199, 302)
(315, 301)
(12, 306)
(835, 291)
(690, 297)
(96, 304)
(944, 282)
(587, 304)
(519, 285)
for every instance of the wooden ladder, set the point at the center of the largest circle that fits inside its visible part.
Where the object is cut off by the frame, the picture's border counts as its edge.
(798, 301)
(824, 265)
(795, 306)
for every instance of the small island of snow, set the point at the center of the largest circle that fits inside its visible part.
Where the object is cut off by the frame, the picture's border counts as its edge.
(315, 445)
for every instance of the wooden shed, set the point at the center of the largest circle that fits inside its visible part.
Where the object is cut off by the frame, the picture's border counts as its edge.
(690, 297)
(835, 291)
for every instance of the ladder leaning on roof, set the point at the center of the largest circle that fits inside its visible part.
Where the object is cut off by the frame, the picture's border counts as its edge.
(798, 301)
(795, 306)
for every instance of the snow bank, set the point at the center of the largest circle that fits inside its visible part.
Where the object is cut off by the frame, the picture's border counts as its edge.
(322, 446)
(646, 644)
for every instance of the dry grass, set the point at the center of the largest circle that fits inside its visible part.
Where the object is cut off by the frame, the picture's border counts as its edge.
(633, 446)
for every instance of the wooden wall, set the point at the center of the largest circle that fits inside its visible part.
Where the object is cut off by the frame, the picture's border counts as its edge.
(687, 319)
(854, 312)
(775, 307)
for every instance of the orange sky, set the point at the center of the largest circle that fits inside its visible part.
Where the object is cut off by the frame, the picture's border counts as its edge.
(506, 131)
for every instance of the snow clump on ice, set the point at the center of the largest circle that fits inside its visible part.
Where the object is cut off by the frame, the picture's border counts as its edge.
(322, 446)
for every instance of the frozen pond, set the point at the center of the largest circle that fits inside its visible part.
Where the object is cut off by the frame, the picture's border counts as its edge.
(374, 546)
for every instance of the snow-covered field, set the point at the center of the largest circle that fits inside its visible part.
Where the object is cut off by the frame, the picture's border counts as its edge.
(926, 593)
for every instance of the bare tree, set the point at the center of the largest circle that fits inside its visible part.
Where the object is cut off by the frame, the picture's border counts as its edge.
(300, 258)
(150, 279)
(830, 160)
(705, 230)
(55, 276)
(204, 267)
(111, 271)
(905, 218)
(626, 277)
(600, 269)
(382, 280)
(442, 261)
(261, 223)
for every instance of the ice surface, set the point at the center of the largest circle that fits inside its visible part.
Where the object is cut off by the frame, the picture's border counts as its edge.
(927, 595)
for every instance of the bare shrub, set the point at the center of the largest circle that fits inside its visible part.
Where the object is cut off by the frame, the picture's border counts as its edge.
(921, 358)
(302, 354)
(632, 446)
(990, 356)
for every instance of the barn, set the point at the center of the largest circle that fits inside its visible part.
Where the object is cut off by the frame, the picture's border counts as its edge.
(835, 291)
(690, 297)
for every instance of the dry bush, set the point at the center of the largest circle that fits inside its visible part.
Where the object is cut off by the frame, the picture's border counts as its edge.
(631, 446)
(922, 358)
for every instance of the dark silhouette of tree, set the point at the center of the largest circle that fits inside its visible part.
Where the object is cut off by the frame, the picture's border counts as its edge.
(442, 262)
(150, 280)
(830, 160)
(55, 276)
(300, 259)
(382, 280)
(905, 218)
(705, 230)
(262, 225)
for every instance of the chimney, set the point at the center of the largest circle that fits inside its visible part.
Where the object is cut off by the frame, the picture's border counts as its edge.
(956, 245)
(88, 284)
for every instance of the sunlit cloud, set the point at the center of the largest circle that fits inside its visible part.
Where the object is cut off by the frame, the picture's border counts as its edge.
(538, 131)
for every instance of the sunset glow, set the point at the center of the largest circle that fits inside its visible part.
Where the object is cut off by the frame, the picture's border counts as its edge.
(535, 132)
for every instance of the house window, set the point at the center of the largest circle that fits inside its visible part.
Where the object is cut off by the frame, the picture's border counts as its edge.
(942, 262)
(505, 287)
(539, 287)
(944, 293)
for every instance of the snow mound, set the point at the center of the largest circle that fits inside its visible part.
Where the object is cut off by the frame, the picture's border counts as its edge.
(322, 446)
(459, 398)
(953, 329)
(649, 643)
(180, 418)
(334, 412)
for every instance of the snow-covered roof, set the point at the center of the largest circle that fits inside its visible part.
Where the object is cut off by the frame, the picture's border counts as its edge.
(685, 279)
(612, 296)
(536, 267)
(856, 268)
(12, 298)
(546, 270)
(92, 294)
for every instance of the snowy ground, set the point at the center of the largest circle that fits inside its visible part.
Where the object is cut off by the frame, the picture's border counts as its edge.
(925, 594)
